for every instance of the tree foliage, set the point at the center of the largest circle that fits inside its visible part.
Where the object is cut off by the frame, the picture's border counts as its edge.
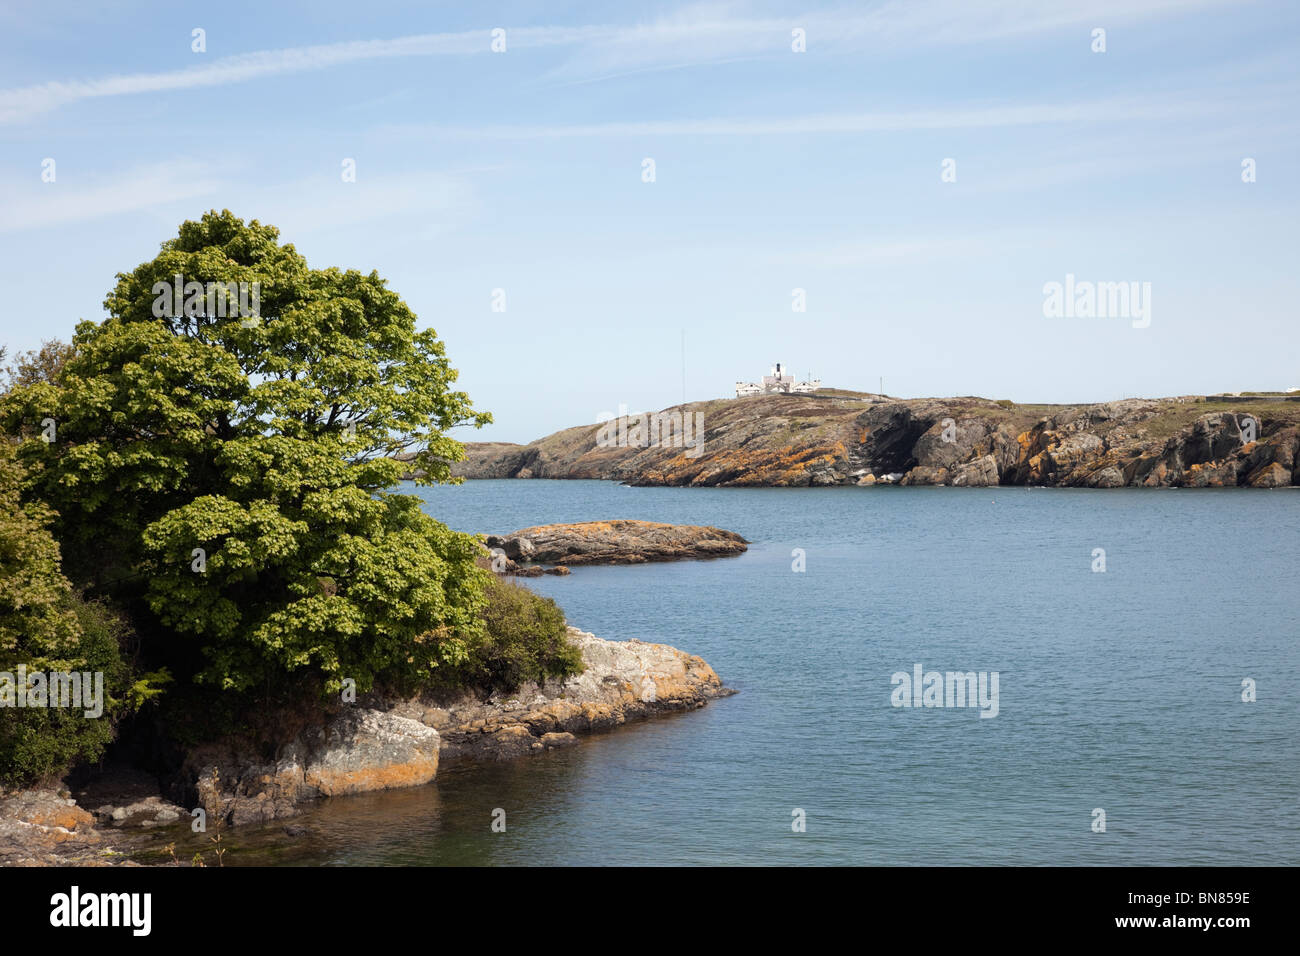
(36, 365)
(524, 639)
(47, 627)
(33, 615)
(235, 473)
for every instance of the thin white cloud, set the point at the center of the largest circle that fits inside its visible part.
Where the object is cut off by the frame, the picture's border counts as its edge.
(30, 100)
(976, 116)
(718, 32)
(431, 200)
(693, 35)
(960, 21)
(38, 204)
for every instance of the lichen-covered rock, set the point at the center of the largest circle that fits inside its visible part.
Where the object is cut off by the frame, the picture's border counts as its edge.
(621, 681)
(616, 542)
(152, 811)
(399, 743)
(925, 475)
(806, 440)
(980, 473)
(1212, 474)
(357, 750)
(365, 750)
(43, 827)
(1108, 477)
(1270, 476)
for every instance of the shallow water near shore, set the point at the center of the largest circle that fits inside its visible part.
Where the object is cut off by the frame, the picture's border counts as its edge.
(1118, 690)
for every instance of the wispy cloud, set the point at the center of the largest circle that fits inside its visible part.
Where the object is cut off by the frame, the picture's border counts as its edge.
(971, 116)
(691, 36)
(715, 32)
(428, 200)
(931, 22)
(31, 100)
(36, 204)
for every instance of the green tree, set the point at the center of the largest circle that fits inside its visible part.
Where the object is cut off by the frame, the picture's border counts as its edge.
(32, 587)
(46, 627)
(234, 471)
(36, 365)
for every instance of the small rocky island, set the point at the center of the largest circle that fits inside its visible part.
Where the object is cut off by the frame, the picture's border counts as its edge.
(621, 541)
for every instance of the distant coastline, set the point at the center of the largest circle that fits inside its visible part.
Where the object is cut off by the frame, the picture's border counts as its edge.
(836, 437)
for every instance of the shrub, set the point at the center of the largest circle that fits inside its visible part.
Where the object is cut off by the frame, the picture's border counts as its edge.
(523, 639)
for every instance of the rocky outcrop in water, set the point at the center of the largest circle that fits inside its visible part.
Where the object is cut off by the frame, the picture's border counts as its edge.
(373, 745)
(854, 438)
(620, 541)
(622, 681)
(378, 746)
(358, 750)
(398, 743)
(44, 827)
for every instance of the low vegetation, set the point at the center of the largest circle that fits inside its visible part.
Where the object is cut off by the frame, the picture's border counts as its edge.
(523, 639)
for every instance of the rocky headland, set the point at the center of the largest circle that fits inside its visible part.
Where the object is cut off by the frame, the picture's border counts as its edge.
(850, 438)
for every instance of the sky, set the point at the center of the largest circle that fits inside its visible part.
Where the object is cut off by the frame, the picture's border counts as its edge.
(921, 170)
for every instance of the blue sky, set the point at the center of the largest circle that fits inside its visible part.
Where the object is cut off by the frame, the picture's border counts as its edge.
(774, 170)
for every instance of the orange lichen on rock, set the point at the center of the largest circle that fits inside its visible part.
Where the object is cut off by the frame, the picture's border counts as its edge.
(618, 541)
(622, 681)
(787, 465)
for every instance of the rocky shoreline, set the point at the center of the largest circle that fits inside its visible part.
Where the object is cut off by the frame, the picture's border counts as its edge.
(623, 682)
(849, 438)
(45, 827)
(373, 745)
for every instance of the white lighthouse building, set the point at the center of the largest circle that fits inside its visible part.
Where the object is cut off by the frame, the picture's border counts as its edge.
(780, 382)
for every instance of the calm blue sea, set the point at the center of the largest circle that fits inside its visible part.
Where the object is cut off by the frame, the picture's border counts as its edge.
(1119, 691)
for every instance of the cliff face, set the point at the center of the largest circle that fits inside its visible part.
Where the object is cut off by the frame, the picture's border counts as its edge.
(851, 438)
